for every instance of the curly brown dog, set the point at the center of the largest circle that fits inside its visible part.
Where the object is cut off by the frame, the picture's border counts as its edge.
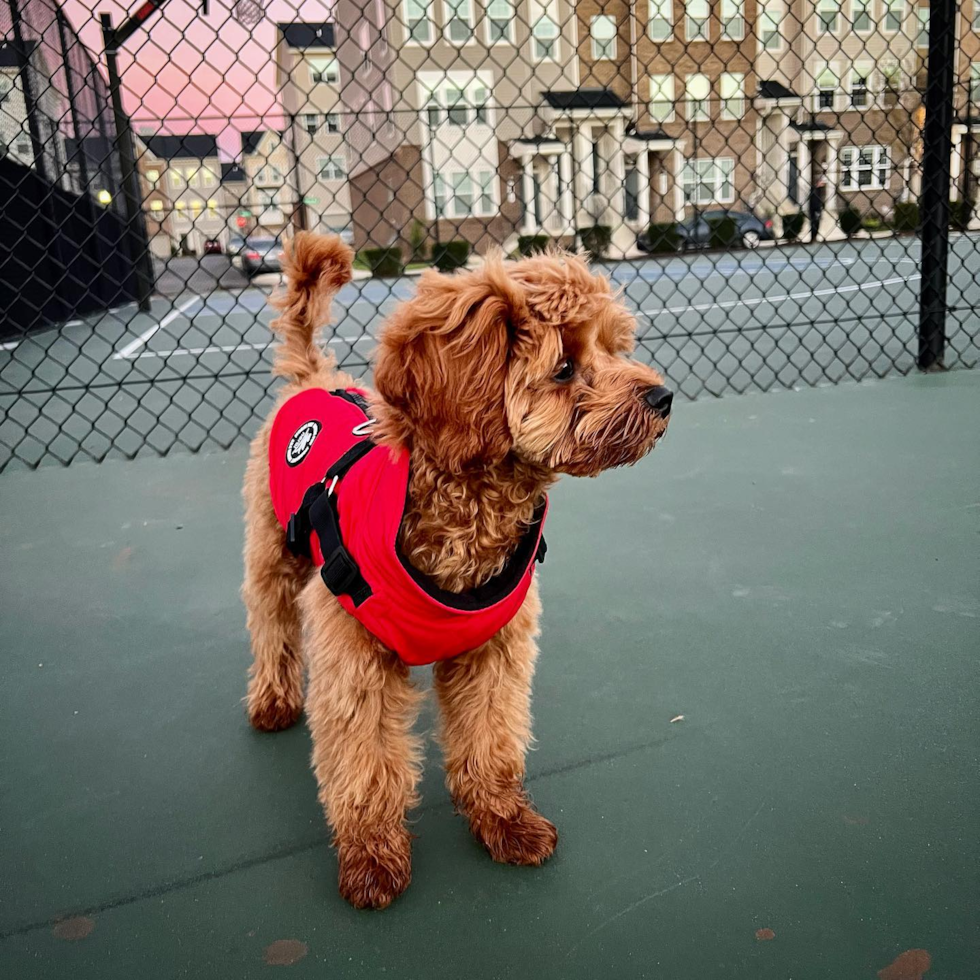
(495, 381)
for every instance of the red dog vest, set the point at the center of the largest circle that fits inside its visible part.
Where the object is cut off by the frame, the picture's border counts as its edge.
(341, 500)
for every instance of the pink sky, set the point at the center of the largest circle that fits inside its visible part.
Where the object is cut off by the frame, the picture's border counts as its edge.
(190, 73)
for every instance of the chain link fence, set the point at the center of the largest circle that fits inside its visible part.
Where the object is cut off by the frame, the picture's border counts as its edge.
(784, 190)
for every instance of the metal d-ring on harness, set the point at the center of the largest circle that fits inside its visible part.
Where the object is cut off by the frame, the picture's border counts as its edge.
(318, 512)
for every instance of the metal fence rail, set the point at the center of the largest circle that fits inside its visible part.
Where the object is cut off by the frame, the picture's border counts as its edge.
(784, 191)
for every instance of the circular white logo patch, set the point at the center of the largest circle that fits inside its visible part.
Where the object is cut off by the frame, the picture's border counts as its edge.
(302, 442)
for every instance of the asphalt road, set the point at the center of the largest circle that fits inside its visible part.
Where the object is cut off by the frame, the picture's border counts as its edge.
(195, 371)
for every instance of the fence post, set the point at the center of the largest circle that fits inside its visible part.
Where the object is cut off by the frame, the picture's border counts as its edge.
(135, 228)
(937, 149)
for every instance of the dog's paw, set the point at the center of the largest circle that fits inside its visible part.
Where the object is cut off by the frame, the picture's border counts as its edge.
(526, 838)
(271, 712)
(374, 873)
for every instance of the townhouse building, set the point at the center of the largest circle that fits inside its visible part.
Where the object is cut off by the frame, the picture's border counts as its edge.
(270, 200)
(965, 175)
(311, 151)
(181, 192)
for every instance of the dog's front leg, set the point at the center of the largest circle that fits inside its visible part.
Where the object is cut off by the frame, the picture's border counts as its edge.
(361, 708)
(485, 697)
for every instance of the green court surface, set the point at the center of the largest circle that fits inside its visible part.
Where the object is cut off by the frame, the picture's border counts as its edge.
(796, 574)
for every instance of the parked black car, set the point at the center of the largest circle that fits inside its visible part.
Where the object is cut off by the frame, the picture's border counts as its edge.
(696, 231)
(260, 255)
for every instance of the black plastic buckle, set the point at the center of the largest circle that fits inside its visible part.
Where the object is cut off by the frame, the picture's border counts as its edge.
(542, 551)
(339, 572)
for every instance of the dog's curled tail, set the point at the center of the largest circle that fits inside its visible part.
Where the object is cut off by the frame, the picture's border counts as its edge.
(315, 266)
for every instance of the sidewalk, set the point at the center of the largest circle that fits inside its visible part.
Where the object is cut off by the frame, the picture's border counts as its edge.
(793, 573)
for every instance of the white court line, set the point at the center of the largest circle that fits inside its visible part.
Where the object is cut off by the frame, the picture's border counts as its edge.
(834, 291)
(9, 345)
(227, 348)
(127, 352)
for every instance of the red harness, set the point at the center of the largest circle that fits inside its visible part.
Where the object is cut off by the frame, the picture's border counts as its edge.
(341, 500)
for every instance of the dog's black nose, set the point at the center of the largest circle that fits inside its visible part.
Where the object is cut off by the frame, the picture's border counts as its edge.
(659, 399)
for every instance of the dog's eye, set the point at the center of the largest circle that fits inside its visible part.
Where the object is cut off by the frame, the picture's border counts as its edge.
(566, 372)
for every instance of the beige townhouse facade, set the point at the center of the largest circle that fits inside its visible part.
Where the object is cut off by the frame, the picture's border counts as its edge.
(965, 167)
(181, 184)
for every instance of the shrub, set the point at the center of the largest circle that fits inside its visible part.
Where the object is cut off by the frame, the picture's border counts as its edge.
(959, 214)
(850, 220)
(724, 232)
(663, 237)
(905, 217)
(873, 221)
(383, 261)
(416, 242)
(793, 225)
(596, 240)
(447, 256)
(529, 244)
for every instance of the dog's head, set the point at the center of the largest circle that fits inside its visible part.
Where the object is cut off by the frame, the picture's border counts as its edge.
(532, 359)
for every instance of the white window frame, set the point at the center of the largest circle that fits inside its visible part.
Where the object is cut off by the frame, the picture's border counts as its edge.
(976, 15)
(662, 16)
(603, 48)
(544, 13)
(330, 161)
(852, 166)
(826, 68)
(451, 7)
(732, 15)
(890, 68)
(694, 180)
(491, 19)
(662, 85)
(329, 66)
(896, 8)
(736, 100)
(447, 195)
(771, 16)
(973, 92)
(826, 9)
(426, 18)
(862, 8)
(311, 118)
(697, 28)
(861, 70)
(331, 122)
(471, 96)
(697, 109)
(921, 27)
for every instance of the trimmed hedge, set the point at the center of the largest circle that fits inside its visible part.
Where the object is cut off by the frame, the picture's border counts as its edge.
(793, 225)
(383, 261)
(905, 217)
(447, 256)
(529, 244)
(850, 220)
(959, 214)
(724, 232)
(596, 240)
(663, 237)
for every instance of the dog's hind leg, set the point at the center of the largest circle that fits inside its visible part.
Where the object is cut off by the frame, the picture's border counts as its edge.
(485, 697)
(273, 580)
(361, 706)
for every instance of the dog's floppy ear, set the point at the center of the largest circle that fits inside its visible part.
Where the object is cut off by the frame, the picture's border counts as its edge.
(442, 365)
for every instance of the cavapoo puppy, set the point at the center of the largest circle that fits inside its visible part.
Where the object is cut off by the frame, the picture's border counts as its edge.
(401, 526)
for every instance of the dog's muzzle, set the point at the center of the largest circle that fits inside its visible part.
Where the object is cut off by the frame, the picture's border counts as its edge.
(659, 399)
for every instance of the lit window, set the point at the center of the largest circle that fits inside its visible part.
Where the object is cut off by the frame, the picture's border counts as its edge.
(500, 19)
(709, 181)
(732, 95)
(602, 29)
(828, 16)
(212, 206)
(324, 70)
(864, 168)
(153, 176)
(418, 21)
(662, 98)
(697, 20)
(156, 206)
(732, 20)
(459, 20)
(661, 19)
(544, 31)
(208, 177)
(770, 22)
(861, 15)
(698, 93)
